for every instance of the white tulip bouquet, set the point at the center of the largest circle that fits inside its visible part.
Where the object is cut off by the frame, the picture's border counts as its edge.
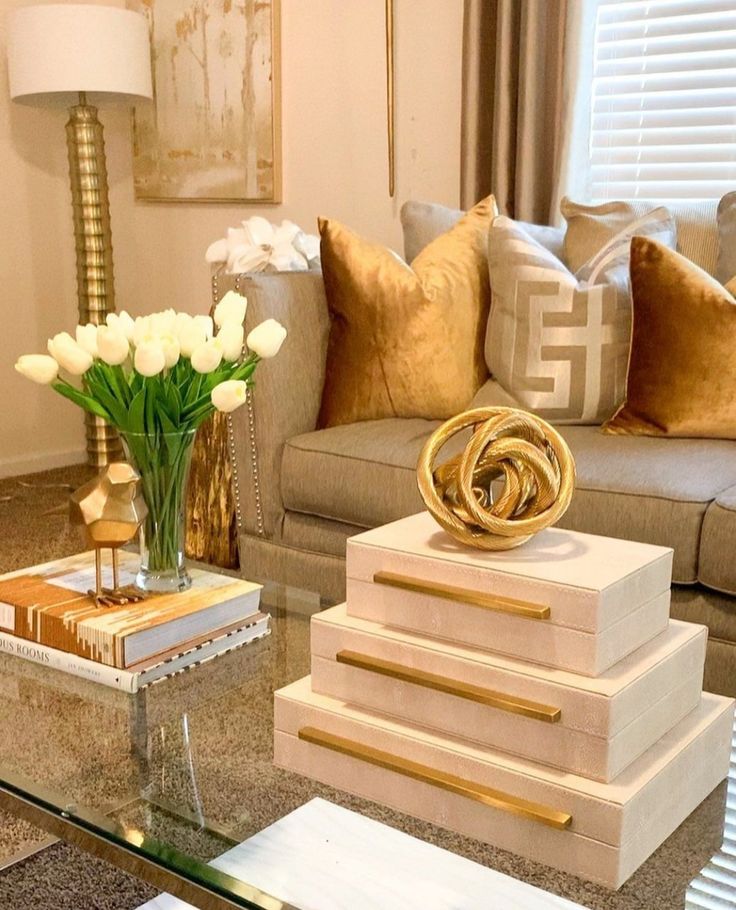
(156, 379)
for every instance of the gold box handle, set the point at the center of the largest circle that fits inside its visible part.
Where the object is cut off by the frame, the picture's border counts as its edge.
(496, 799)
(464, 595)
(500, 700)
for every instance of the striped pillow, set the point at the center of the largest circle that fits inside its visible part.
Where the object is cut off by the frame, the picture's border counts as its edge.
(557, 342)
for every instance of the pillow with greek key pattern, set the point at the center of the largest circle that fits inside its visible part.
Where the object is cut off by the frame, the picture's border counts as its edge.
(559, 342)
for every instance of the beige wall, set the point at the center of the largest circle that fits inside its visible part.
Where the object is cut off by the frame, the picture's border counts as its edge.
(334, 161)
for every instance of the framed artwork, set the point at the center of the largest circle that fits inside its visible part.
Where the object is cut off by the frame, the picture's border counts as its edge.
(212, 133)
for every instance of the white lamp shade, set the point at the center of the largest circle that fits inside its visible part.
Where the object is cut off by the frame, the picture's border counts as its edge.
(63, 49)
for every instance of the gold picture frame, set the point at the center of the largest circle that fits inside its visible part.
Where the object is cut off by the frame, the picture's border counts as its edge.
(213, 130)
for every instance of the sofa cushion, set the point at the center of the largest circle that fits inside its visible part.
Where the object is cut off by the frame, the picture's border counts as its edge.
(590, 228)
(709, 608)
(423, 222)
(648, 489)
(363, 473)
(717, 564)
(641, 488)
(697, 229)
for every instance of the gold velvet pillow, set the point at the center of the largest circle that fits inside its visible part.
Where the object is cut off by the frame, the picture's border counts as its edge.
(682, 371)
(405, 341)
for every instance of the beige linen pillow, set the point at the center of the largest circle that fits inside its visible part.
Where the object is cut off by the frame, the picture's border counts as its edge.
(591, 227)
(558, 342)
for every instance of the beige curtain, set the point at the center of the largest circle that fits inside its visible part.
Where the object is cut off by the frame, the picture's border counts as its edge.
(525, 99)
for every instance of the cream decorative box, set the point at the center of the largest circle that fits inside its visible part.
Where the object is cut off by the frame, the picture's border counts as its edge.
(601, 832)
(568, 600)
(538, 699)
(593, 727)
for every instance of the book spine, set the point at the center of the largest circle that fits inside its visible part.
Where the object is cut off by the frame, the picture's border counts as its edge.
(206, 652)
(69, 663)
(39, 624)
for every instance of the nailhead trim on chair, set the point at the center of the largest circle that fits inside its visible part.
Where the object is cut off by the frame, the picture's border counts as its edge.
(260, 528)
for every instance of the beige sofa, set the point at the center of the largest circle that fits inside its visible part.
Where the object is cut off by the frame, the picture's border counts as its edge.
(304, 491)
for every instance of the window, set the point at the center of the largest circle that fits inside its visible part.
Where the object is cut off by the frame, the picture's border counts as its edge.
(664, 99)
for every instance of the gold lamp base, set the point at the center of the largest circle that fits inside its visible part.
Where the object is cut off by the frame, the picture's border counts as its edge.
(102, 440)
(93, 242)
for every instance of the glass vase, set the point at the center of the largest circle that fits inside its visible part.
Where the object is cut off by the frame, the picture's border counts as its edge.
(162, 460)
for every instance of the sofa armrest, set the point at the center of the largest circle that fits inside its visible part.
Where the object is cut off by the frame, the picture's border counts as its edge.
(286, 398)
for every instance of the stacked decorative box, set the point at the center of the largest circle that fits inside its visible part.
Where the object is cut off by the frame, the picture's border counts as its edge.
(538, 699)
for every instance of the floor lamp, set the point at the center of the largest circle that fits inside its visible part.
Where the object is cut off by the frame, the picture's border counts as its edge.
(60, 53)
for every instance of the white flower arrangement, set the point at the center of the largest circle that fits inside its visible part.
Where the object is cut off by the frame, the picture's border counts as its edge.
(157, 379)
(164, 372)
(258, 246)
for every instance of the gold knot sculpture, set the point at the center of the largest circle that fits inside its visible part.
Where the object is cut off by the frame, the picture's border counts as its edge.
(529, 456)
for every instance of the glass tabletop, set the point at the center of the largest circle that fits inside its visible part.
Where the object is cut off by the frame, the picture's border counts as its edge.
(181, 772)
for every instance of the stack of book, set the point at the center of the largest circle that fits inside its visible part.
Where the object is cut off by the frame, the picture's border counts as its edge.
(46, 616)
(539, 699)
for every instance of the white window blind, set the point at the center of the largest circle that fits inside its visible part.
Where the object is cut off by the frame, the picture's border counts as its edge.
(663, 122)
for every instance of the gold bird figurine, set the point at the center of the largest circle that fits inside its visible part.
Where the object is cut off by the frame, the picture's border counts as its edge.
(112, 510)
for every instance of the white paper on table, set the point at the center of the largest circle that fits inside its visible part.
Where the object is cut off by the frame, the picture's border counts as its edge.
(324, 857)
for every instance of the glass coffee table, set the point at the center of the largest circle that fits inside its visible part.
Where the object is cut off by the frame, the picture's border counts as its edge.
(164, 782)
